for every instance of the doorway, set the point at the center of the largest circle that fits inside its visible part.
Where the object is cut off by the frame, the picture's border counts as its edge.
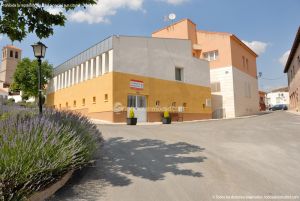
(139, 105)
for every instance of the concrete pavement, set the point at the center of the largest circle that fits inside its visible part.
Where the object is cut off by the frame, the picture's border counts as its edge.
(252, 157)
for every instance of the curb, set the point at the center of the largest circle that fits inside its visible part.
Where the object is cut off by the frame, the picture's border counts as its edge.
(99, 122)
(44, 194)
(293, 112)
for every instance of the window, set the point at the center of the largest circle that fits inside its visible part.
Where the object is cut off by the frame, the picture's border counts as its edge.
(105, 97)
(247, 65)
(215, 87)
(89, 69)
(94, 67)
(83, 102)
(94, 99)
(74, 103)
(11, 53)
(100, 65)
(79, 74)
(243, 58)
(211, 56)
(157, 103)
(174, 104)
(59, 106)
(67, 105)
(131, 101)
(178, 74)
(184, 105)
(16, 55)
(106, 62)
(141, 101)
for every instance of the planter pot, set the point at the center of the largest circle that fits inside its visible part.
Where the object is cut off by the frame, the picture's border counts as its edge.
(131, 121)
(48, 192)
(166, 120)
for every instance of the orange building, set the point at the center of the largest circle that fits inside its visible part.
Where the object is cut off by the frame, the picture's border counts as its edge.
(233, 72)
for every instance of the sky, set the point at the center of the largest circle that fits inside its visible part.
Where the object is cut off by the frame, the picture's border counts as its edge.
(267, 26)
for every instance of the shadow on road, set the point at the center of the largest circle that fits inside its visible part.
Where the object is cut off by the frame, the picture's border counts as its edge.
(119, 159)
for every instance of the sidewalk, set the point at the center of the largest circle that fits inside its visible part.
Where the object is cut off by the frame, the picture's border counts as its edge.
(101, 122)
(293, 112)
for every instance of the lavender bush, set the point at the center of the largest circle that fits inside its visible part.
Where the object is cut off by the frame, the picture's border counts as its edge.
(37, 151)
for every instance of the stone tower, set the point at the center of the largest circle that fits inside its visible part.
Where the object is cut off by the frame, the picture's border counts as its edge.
(11, 55)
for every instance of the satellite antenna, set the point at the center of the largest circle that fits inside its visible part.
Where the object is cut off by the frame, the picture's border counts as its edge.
(171, 17)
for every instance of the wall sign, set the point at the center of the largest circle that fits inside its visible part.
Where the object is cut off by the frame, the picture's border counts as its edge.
(136, 84)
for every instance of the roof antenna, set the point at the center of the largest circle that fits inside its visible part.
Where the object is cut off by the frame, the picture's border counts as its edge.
(171, 17)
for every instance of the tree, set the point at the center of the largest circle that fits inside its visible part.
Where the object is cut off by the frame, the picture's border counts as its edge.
(20, 17)
(26, 77)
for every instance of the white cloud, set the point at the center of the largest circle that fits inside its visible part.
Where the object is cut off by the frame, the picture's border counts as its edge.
(283, 59)
(98, 13)
(257, 46)
(55, 10)
(175, 2)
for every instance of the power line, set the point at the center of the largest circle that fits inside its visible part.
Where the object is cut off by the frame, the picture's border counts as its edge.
(278, 78)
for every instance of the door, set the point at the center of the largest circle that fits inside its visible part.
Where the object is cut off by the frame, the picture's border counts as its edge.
(139, 105)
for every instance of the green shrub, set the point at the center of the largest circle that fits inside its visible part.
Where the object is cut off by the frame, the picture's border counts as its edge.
(166, 114)
(37, 151)
(131, 113)
(9, 102)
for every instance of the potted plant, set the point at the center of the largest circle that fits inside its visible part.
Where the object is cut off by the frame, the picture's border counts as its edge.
(166, 118)
(131, 120)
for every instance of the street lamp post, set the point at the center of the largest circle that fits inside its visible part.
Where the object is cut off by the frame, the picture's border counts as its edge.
(39, 50)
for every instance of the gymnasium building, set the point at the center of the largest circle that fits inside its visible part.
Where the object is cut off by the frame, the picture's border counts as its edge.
(150, 75)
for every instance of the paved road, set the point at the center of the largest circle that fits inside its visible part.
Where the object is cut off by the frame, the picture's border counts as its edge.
(258, 156)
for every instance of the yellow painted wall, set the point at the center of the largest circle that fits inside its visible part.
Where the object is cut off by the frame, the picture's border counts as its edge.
(116, 85)
(164, 91)
(88, 89)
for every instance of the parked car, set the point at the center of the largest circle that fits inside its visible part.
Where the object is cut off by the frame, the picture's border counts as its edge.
(279, 107)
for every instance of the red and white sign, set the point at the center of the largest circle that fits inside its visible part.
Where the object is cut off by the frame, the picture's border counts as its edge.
(136, 84)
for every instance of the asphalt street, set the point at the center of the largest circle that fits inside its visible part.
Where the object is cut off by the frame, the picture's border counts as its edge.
(257, 158)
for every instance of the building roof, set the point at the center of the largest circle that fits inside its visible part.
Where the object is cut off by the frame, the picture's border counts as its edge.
(262, 92)
(233, 37)
(281, 89)
(212, 32)
(293, 51)
(11, 47)
(184, 19)
(97, 49)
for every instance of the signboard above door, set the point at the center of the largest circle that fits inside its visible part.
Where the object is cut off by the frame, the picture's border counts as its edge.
(136, 84)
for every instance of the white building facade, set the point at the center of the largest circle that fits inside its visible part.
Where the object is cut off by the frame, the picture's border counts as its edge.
(278, 97)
